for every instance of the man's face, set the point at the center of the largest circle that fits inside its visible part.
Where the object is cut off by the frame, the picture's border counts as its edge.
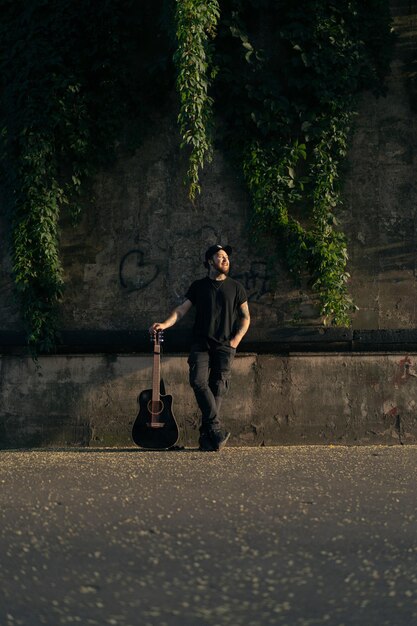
(220, 262)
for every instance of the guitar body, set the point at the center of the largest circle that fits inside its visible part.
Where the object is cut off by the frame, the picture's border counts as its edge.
(157, 431)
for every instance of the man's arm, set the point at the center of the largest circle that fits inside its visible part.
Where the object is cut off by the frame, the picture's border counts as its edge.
(173, 317)
(244, 323)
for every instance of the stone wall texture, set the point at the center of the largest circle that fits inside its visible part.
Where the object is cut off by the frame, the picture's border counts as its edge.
(141, 242)
(88, 400)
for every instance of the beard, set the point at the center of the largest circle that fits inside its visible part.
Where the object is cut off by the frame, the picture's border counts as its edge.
(220, 269)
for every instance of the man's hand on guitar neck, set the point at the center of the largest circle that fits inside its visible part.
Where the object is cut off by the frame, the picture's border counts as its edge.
(157, 326)
(173, 318)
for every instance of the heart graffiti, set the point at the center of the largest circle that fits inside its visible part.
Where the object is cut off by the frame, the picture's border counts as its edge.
(136, 274)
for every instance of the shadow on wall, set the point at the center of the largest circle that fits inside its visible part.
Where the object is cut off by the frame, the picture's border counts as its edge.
(297, 399)
(69, 400)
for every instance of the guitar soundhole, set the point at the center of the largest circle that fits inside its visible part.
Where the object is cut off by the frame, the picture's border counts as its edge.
(155, 408)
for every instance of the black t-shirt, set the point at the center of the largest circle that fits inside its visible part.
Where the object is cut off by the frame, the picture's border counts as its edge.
(217, 304)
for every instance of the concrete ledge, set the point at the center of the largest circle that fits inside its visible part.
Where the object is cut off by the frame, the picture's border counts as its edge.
(259, 340)
(91, 400)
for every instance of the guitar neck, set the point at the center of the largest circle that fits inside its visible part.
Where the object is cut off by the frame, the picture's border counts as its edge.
(156, 373)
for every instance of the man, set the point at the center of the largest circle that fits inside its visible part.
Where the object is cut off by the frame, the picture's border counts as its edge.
(222, 319)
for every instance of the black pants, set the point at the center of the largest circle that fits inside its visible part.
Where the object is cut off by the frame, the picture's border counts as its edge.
(210, 370)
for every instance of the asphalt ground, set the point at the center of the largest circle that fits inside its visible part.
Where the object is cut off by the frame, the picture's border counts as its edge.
(248, 536)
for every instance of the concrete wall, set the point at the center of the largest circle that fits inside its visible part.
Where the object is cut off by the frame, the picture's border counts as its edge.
(141, 242)
(322, 399)
(380, 193)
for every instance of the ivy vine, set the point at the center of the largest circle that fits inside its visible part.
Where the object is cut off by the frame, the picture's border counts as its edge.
(280, 80)
(196, 22)
(66, 73)
(287, 87)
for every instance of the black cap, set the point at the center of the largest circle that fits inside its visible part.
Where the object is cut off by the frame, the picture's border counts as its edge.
(213, 249)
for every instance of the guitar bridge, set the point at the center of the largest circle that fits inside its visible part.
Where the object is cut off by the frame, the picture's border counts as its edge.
(155, 424)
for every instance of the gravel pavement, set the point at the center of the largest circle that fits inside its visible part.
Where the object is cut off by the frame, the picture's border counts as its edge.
(295, 536)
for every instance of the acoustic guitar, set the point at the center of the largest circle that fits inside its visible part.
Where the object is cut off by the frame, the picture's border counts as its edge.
(155, 427)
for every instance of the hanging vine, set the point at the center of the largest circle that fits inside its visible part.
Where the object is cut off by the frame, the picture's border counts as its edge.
(289, 75)
(282, 79)
(196, 22)
(66, 73)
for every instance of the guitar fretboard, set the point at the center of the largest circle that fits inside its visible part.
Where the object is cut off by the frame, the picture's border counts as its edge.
(156, 375)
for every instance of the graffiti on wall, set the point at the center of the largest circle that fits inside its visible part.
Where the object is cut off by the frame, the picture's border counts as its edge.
(135, 273)
(405, 372)
(256, 281)
(137, 270)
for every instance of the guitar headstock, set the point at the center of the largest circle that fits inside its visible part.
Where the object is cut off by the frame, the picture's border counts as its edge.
(157, 337)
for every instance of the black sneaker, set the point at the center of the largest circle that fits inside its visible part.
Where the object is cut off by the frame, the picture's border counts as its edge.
(205, 443)
(219, 440)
